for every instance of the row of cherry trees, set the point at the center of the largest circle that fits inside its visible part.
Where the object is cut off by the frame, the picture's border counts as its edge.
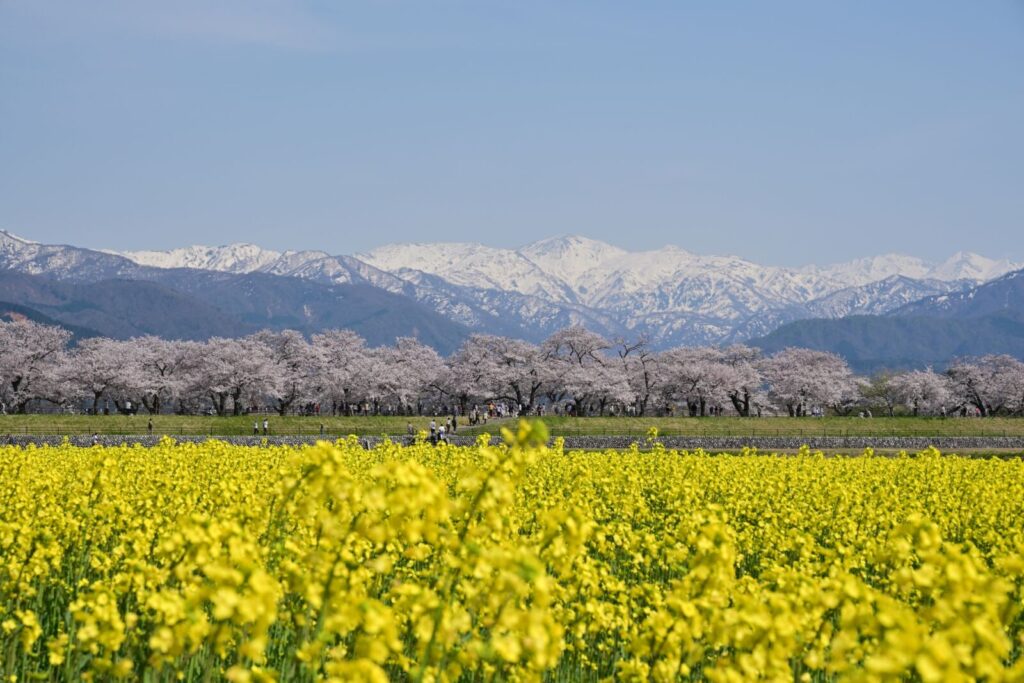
(574, 370)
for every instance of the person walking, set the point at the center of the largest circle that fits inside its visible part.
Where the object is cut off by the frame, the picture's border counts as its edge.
(149, 427)
(266, 426)
(255, 428)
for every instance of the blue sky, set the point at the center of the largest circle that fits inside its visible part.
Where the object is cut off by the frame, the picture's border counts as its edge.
(785, 132)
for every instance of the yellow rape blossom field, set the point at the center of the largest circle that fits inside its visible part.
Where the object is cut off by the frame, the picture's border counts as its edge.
(509, 561)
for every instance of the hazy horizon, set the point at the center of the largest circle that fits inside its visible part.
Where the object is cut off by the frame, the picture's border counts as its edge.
(787, 134)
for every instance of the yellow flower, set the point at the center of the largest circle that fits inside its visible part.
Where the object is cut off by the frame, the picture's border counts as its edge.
(509, 561)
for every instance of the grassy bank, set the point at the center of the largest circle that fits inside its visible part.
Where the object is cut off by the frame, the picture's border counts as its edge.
(558, 426)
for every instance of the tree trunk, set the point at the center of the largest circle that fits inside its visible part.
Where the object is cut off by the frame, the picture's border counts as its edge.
(742, 405)
(236, 403)
(152, 404)
(219, 401)
(579, 406)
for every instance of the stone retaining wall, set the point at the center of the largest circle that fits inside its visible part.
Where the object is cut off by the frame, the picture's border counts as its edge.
(709, 443)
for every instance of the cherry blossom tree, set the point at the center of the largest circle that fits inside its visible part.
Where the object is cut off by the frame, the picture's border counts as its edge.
(921, 391)
(489, 367)
(698, 377)
(471, 373)
(292, 369)
(163, 369)
(611, 386)
(801, 378)
(30, 354)
(742, 378)
(100, 368)
(406, 372)
(345, 369)
(575, 359)
(990, 384)
(282, 369)
(642, 368)
(235, 373)
(518, 375)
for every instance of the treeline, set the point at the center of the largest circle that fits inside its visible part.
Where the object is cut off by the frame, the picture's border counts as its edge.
(575, 371)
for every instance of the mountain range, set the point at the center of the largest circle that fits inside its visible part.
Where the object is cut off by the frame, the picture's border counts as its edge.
(987, 319)
(670, 295)
(100, 293)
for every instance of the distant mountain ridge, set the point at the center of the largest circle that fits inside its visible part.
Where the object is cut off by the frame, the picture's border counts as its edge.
(14, 312)
(986, 319)
(587, 268)
(111, 295)
(672, 296)
(1003, 294)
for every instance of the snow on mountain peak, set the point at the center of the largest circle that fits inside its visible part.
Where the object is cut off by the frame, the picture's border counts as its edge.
(239, 257)
(470, 264)
(570, 257)
(16, 250)
(669, 293)
(8, 237)
(573, 268)
(971, 266)
(861, 271)
(568, 243)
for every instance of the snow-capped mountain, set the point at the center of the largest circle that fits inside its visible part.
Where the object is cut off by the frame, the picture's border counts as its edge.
(882, 296)
(471, 265)
(1000, 295)
(676, 296)
(58, 260)
(967, 266)
(94, 292)
(571, 259)
(233, 258)
(671, 295)
(959, 266)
